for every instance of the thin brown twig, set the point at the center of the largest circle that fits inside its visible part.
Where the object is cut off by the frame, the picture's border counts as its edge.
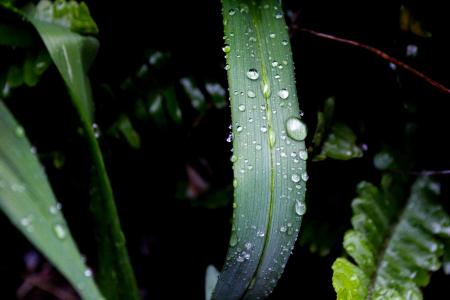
(381, 54)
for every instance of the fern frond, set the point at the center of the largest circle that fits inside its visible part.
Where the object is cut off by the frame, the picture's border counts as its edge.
(395, 245)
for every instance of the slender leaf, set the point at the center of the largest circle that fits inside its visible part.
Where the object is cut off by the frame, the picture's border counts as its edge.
(269, 149)
(394, 246)
(59, 24)
(28, 201)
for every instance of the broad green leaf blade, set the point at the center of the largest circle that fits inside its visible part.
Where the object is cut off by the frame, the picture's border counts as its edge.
(27, 199)
(395, 247)
(72, 54)
(269, 150)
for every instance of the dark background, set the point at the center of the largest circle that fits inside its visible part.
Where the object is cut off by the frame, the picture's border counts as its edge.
(171, 238)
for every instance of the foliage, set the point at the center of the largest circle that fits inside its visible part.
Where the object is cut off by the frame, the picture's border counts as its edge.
(395, 245)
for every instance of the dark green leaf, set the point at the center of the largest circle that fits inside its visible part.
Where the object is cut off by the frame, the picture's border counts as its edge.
(27, 199)
(268, 149)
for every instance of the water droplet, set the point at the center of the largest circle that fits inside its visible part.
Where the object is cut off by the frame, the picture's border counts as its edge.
(20, 132)
(232, 12)
(248, 245)
(296, 129)
(240, 258)
(226, 49)
(59, 231)
(96, 130)
(88, 272)
(277, 76)
(241, 107)
(252, 74)
(233, 158)
(300, 208)
(278, 15)
(258, 147)
(295, 178)
(235, 183)
(283, 94)
(303, 154)
(263, 129)
(260, 234)
(283, 229)
(305, 176)
(239, 129)
(251, 94)
(274, 63)
(272, 35)
(227, 67)
(285, 42)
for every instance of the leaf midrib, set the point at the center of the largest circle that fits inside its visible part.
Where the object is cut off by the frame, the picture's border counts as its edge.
(386, 243)
(264, 80)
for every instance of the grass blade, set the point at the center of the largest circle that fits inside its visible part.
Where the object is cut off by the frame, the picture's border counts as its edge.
(269, 150)
(59, 24)
(28, 201)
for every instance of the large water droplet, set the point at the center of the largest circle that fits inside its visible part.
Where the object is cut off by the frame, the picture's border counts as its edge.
(278, 15)
(226, 49)
(252, 74)
(283, 229)
(239, 128)
(233, 158)
(285, 42)
(227, 67)
(300, 208)
(296, 129)
(232, 12)
(283, 94)
(241, 107)
(272, 35)
(263, 129)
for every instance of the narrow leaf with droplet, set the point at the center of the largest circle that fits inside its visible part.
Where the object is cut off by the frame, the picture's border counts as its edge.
(269, 157)
(61, 25)
(27, 199)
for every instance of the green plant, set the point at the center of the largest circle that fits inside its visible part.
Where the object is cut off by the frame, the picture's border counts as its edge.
(400, 230)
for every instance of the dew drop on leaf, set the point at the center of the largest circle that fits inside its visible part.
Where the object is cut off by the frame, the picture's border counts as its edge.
(295, 178)
(283, 94)
(251, 94)
(296, 129)
(252, 74)
(303, 154)
(300, 208)
(59, 231)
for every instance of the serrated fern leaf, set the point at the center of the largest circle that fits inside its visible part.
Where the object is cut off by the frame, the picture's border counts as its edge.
(394, 246)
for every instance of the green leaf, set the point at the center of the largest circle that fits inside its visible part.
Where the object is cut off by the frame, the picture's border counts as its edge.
(340, 144)
(126, 129)
(269, 150)
(395, 245)
(72, 54)
(210, 281)
(28, 201)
